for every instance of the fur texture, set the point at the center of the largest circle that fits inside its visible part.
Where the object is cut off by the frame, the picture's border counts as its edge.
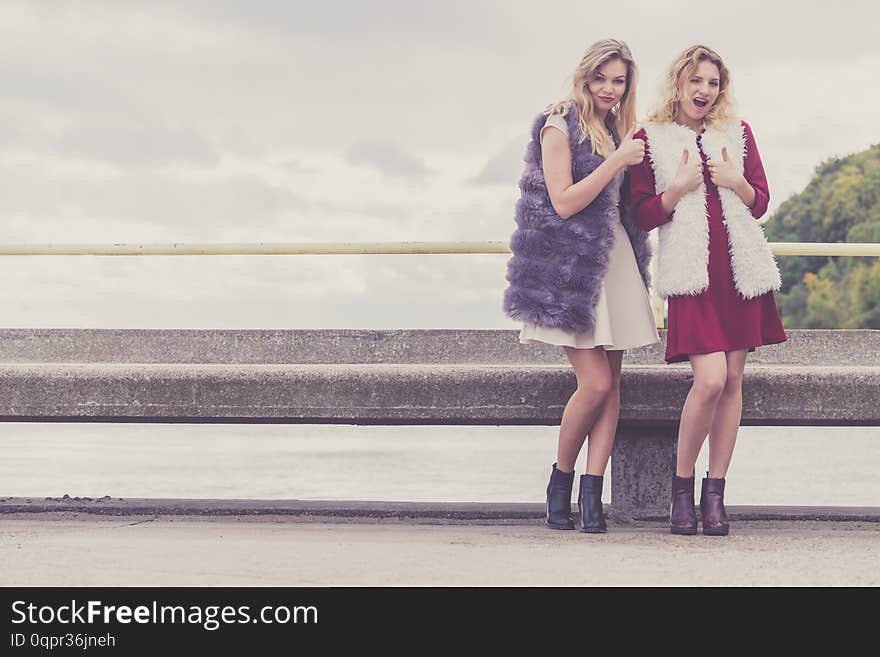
(556, 271)
(683, 256)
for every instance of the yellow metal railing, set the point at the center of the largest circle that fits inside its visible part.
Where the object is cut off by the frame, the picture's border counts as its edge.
(256, 248)
(374, 248)
(362, 248)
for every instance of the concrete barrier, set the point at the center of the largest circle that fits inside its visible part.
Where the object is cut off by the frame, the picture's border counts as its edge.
(416, 377)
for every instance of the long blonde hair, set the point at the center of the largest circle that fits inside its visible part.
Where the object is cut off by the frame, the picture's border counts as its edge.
(673, 84)
(624, 113)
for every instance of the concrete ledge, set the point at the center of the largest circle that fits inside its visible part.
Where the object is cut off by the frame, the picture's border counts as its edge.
(416, 377)
(329, 346)
(412, 394)
(475, 511)
(249, 507)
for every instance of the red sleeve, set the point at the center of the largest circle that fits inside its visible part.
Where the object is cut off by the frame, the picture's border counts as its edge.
(753, 170)
(645, 200)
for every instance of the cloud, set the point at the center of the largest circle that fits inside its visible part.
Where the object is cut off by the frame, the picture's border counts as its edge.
(43, 201)
(388, 158)
(293, 165)
(360, 22)
(505, 167)
(220, 120)
(377, 292)
(146, 142)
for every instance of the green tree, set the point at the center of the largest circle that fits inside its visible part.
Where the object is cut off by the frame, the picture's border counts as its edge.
(840, 204)
(864, 289)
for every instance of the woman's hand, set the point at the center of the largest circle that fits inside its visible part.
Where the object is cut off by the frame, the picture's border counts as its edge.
(688, 177)
(631, 151)
(689, 174)
(724, 173)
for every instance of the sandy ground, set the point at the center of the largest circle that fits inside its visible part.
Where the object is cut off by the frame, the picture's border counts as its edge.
(71, 550)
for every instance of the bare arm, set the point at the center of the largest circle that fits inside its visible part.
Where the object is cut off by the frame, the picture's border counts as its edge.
(569, 198)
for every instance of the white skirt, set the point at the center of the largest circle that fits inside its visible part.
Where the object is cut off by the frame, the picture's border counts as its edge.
(624, 317)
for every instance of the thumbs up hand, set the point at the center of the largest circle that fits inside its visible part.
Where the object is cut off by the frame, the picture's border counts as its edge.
(724, 173)
(689, 174)
(631, 151)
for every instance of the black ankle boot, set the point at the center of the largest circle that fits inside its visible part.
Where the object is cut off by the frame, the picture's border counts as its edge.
(590, 505)
(558, 508)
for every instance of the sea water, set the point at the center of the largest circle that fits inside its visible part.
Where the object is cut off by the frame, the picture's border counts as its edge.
(771, 465)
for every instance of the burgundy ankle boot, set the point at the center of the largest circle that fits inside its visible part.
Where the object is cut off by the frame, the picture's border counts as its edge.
(590, 505)
(558, 508)
(682, 514)
(712, 509)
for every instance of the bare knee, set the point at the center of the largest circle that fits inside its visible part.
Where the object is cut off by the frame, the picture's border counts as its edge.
(710, 386)
(733, 382)
(594, 373)
(598, 385)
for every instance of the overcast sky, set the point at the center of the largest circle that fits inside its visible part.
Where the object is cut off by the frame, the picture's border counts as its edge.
(287, 121)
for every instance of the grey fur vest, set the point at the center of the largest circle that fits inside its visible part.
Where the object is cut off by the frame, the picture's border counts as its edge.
(556, 271)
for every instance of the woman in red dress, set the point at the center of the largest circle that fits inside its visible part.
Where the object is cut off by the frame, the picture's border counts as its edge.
(703, 186)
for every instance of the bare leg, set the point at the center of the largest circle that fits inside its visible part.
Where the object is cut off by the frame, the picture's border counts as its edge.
(594, 383)
(604, 429)
(728, 413)
(710, 374)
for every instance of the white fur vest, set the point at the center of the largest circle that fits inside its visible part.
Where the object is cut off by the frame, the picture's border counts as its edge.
(683, 256)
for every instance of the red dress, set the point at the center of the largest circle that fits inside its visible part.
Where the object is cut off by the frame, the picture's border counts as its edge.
(718, 319)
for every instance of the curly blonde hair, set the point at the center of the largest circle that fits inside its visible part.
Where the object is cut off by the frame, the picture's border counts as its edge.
(673, 85)
(624, 113)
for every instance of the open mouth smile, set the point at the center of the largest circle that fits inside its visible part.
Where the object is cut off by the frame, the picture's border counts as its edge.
(701, 103)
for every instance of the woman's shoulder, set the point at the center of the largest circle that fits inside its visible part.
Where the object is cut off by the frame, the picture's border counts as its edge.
(744, 129)
(661, 130)
(557, 120)
(555, 116)
(747, 130)
(645, 131)
(734, 125)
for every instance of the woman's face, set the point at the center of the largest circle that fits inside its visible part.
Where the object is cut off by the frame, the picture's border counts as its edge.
(700, 92)
(608, 85)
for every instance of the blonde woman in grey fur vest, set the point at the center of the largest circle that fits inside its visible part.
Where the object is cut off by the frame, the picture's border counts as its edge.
(579, 272)
(702, 186)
